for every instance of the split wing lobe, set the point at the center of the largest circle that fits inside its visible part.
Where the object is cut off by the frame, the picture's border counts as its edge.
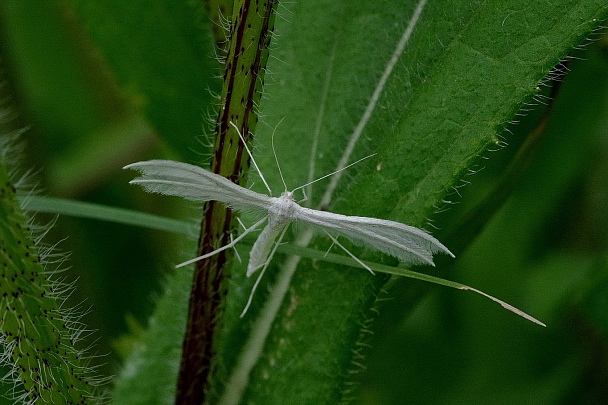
(410, 244)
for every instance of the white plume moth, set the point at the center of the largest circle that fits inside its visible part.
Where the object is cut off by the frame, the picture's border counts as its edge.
(407, 243)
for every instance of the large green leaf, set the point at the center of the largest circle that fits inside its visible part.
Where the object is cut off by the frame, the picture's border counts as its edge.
(539, 252)
(466, 70)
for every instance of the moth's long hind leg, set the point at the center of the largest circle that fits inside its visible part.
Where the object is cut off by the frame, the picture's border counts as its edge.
(228, 246)
(236, 252)
(348, 252)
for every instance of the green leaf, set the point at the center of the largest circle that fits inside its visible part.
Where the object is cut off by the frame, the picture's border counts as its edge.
(80, 209)
(468, 67)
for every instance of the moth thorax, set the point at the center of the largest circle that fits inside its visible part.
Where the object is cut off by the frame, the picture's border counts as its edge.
(282, 209)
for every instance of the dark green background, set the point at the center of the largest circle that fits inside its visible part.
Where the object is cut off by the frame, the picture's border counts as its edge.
(98, 89)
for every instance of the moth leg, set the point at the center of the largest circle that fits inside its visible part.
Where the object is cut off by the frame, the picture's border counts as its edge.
(348, 252)
(228, 246)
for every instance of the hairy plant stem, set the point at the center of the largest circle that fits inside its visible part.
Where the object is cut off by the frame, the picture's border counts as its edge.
(250, 36)
(38, 334)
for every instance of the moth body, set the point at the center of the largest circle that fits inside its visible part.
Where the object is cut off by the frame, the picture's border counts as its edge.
(282, 209)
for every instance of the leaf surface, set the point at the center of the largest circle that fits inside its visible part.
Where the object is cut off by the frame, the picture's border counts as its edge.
(467, 68)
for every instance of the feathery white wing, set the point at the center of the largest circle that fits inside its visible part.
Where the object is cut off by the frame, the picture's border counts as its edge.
(195, 184)
(260, 251)
(405, 242)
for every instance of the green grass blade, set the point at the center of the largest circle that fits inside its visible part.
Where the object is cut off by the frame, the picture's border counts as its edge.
(81, 209)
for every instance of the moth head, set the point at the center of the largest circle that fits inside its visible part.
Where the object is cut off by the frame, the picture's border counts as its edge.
(287, 195)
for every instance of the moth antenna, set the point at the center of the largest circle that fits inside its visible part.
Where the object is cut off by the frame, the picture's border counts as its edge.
(251, 156)
(276, 159)
(332, 173)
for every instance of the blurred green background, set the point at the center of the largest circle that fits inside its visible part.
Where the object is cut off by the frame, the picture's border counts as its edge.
(93, 100)
(98, 89)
